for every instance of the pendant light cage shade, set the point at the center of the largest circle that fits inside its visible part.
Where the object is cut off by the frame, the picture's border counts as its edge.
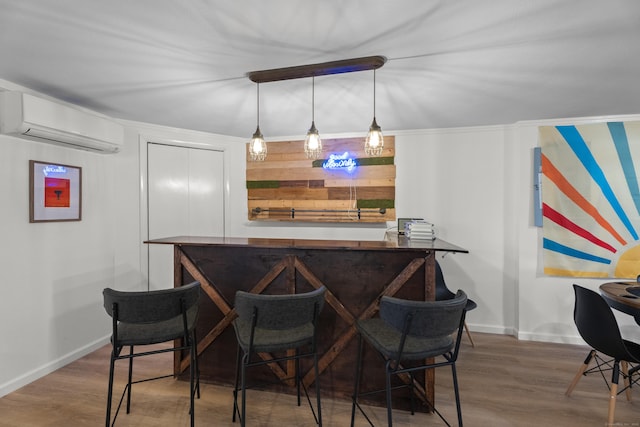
(313, 143)
(257, 145)
(374, 143)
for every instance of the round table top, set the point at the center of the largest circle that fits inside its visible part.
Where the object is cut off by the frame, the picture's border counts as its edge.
(623, 296)
(627, 293)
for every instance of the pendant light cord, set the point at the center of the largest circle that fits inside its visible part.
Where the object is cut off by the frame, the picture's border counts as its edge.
(313, 98)
(374, 93)
(258, 105)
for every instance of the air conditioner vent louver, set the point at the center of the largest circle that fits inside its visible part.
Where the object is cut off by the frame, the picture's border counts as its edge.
(37, 119)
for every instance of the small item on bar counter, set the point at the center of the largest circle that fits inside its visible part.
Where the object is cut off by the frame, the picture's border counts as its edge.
(420, 230)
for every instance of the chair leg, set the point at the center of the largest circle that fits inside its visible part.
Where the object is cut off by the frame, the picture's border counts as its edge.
(580, 372)
(235, 388)
(625, 374)
(297, 369)
(466, 328)
(388, 392)
(192, 386)
(243, 391)
(457, 393)
(195, 343)
(613, 392)
(356, 387)
(317, 373)
(110, 390)
(130, 376)
(412, 393)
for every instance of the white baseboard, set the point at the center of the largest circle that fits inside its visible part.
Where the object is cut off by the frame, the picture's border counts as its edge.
(527, 336)
(40, 372)
(486, 329)
(560, 339)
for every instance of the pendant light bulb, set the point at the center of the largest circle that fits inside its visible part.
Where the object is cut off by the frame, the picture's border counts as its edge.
(313, 143)
(257, 145)
(374, 143)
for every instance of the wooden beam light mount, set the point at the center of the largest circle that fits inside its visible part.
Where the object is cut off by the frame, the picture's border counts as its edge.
(322, 69)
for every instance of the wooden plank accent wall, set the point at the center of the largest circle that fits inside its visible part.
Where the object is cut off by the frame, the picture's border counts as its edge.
(289, 187)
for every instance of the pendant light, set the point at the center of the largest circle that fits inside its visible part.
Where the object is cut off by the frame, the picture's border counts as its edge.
(313, 143)
(374, 143)
(257, 145)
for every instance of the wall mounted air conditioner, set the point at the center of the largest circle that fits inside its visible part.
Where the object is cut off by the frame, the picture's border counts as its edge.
(38, 119)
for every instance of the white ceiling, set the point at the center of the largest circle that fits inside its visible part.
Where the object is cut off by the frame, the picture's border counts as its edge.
(450, 63)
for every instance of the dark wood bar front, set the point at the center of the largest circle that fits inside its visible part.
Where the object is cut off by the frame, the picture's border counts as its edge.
(356, 274)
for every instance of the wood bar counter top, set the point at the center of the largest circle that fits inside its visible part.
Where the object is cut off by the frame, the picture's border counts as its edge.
(356, 274)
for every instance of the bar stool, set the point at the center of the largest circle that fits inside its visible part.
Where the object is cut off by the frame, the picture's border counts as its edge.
(412, 331)
(144, 318)
(276, 323)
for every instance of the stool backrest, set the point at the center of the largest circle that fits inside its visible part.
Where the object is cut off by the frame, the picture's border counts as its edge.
(280, 311)
(151, 306)
(425, 319)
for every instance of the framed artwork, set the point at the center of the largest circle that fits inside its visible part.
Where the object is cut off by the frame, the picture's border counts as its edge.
(591, 199)
(55, 192)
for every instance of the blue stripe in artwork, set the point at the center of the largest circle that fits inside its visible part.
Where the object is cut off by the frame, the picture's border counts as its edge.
(565, 250)
(577, 144)
(621, 142)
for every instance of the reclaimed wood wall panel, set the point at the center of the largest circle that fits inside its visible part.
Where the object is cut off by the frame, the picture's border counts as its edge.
(286, 173)
(295, 193)
(289, 187)
(377, 193)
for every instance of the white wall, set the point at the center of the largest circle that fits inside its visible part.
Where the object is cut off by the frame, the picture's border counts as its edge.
(52, 273)
(455, 179)
(473, 183)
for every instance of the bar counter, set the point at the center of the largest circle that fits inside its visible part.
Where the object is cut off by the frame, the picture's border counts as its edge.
(356, 274)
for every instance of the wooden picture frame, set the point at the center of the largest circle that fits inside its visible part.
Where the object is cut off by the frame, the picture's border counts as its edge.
(55, 192)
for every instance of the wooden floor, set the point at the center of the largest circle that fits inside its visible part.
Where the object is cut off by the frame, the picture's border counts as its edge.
(503, 382)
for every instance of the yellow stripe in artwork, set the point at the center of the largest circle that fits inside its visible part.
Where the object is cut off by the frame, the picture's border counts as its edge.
(574, 273)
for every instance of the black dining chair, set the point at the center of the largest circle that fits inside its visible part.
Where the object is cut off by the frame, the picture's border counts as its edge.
(418, 332)
(152, 317)
(598, 327)
(284, 325)
(443, 293)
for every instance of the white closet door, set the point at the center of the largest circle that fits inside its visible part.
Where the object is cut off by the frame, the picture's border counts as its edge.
(185, 197)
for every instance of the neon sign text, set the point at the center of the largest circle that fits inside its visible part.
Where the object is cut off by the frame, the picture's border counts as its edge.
(52, 169)
(340, 161)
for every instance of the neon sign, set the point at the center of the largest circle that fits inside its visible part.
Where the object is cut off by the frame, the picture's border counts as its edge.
(52, 169)
(340, 161)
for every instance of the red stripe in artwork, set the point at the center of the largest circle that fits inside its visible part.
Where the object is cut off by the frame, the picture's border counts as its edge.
(566, 223)
(551, 172)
